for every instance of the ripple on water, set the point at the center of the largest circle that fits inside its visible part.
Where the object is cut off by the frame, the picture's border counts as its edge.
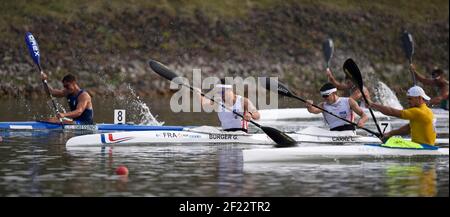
(43, 167)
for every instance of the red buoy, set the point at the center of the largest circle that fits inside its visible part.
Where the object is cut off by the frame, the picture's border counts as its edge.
(122, 171)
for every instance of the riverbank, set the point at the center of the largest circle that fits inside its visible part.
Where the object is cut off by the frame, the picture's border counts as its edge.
(107, 43)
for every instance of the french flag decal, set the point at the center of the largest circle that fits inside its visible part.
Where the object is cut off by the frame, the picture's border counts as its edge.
(107, 138)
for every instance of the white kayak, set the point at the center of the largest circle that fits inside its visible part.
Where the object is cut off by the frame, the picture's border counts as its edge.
(214, 135)
(302, 113)
(189, 135)
(334, 152)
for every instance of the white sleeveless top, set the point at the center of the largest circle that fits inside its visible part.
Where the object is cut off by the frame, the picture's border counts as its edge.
(230, 120)
(340, 108)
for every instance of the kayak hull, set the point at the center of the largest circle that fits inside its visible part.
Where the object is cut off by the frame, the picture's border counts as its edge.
(333, 152)
(164, 137)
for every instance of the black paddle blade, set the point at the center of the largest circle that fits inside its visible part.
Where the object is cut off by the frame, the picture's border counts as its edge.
(279, 137)
(328, 48)
(352, 70)
(165, 72)
(272, 85)
(408, 45)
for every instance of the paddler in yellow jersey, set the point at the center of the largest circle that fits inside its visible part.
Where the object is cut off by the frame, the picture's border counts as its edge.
(421, 119)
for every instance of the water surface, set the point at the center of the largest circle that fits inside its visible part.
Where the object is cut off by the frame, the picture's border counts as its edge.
(38, 164)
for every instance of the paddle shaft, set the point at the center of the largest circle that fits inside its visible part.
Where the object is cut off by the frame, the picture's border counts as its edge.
(354, 124)
(412, 73)
(370, 110)
(47, 90)
(221, 104)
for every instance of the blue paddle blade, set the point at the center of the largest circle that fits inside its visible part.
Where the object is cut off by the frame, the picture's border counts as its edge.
(33, 48)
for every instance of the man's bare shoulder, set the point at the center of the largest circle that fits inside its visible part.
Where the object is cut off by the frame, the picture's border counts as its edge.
(85, 95)
(441, 83)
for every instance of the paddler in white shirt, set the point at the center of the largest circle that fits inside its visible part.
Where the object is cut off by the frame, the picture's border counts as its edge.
(230, 121)
(343, 107)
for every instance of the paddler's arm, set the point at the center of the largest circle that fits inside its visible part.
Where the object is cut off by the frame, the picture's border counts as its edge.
(53, 92)
(83, 101)
(206, 103)
(312, 109)
(355, 107)
(404, 130)
(436, 100)
(339, 85)
(251, 109)
(356, 95)
(420, 77)
(443, 96)
(386, 110)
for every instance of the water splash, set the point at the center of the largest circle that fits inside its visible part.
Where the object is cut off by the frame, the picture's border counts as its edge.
(33, 110)
(59, 106)
(386, 96)
(25, 105)
(139, 110)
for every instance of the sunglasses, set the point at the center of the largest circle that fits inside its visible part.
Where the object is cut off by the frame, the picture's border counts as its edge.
(325, 96)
